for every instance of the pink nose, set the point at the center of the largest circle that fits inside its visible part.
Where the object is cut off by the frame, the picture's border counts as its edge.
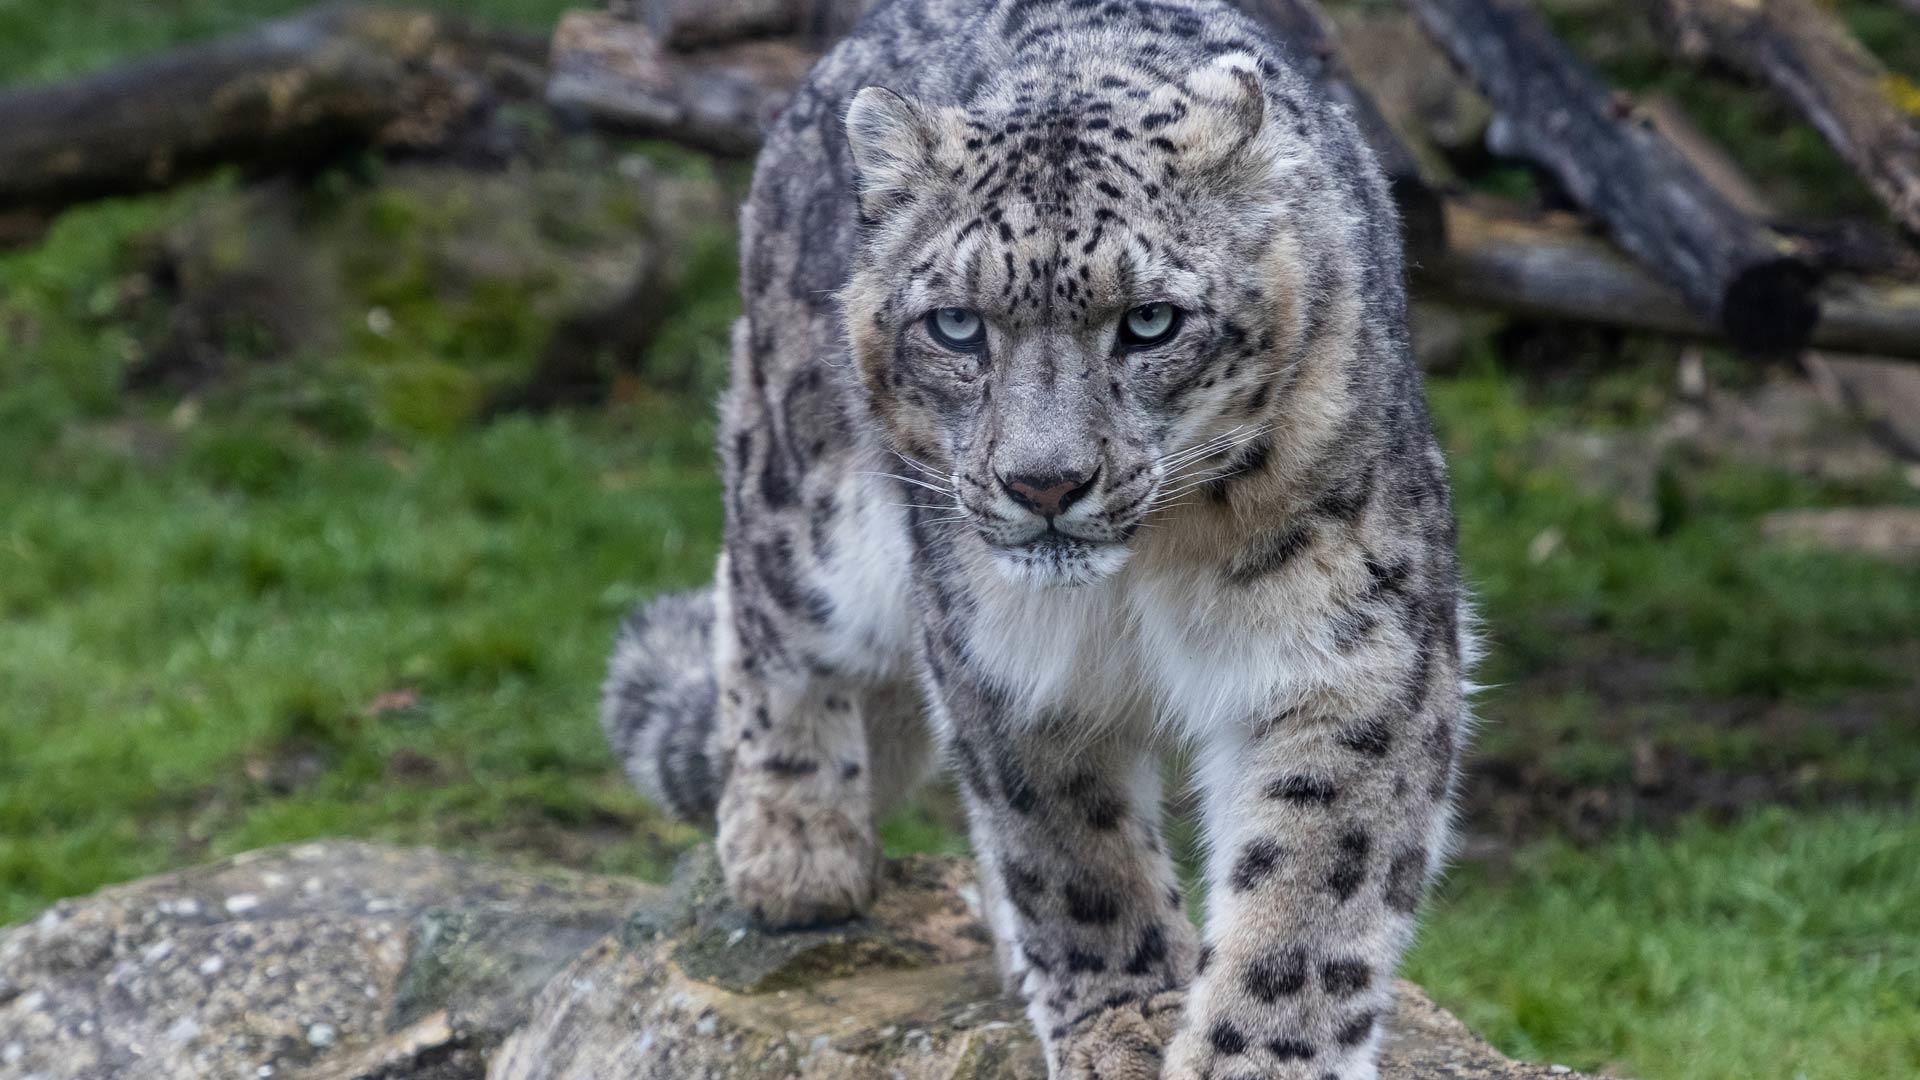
(1049, 496)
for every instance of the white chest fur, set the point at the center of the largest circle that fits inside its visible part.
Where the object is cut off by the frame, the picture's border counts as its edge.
(1075, 649)
(1180, 645)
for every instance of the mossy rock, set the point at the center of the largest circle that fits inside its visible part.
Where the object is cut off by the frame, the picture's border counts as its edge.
(353, 960)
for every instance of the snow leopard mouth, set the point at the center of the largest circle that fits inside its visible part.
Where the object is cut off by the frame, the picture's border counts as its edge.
(1055, 559)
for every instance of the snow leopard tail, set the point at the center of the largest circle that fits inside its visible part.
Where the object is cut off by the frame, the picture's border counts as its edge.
(659, 705)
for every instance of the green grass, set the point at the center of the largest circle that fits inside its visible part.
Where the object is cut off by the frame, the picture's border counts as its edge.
(271, 612)
(1696, 586)
(1783, 947)
(241, 635)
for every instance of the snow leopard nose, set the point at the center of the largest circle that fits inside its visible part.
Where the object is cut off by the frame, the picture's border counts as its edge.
(1049, 495)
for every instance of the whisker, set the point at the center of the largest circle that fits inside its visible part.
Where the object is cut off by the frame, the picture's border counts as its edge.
(911, 480)
(1170, 506)
(1188, 481)
(1206, 459)
(1237, 437)
(1203, 449)
(1219, 446)
(1203, 482)
(1200, 475)
(922, 466)
(1166, 497)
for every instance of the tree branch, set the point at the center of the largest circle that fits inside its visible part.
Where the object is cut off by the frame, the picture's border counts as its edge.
(1869, 115)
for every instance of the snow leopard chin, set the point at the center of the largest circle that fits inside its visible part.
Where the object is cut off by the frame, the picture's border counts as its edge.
(1058, 561)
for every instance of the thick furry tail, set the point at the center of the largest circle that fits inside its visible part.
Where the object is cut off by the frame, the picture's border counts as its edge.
(659, 706)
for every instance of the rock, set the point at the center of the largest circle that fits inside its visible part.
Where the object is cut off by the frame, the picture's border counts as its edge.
(1784, 423)
(691, 990)
(1885, 392)
(346, 960)
(1622, 469)
(1787, 424)
(321, 960)
(1891, 532)
(529, 286)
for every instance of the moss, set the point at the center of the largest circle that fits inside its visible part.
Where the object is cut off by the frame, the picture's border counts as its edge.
(751, 961)
(1903, 93)
(487, 963)
(724, 948)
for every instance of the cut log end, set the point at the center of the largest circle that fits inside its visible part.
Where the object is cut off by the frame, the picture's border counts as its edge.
(1771, 309)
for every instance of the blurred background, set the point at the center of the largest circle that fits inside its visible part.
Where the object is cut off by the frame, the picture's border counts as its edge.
(327, 469)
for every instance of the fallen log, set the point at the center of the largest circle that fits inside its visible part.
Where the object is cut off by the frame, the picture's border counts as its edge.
(1553, 110)
(286, 95)
(615, 74)
(1709, 159)
(1550, 267)
(1805, 53)
(614, 71)
(694, 24)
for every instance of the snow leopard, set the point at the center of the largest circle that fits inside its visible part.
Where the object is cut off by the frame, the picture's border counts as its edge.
(1072, 426)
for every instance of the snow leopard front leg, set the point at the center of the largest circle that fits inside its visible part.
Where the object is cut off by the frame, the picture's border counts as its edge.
(1065, 822)
(809, 753)
(796, 831)
(1324, 823)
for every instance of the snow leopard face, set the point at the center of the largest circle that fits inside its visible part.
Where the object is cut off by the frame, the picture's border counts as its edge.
(1067, 310)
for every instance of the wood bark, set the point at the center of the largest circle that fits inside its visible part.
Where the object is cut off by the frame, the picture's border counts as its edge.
(1553, 110)
(616, 73)
(1870, 116)
(308, 88)
(288, 94)
(1551, 267)
(694, 24)
(1708, 158)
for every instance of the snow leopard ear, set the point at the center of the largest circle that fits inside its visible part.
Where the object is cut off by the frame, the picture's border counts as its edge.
(893, 141)
(1225, 107)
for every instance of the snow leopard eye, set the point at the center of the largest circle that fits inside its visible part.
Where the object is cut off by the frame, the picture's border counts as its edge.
(957, 328)
(1149, 324)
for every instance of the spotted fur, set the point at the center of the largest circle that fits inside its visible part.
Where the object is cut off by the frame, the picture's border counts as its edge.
(1257, 559)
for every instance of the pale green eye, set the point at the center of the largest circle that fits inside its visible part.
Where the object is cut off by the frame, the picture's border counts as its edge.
(957, 328)
(1149, 324)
